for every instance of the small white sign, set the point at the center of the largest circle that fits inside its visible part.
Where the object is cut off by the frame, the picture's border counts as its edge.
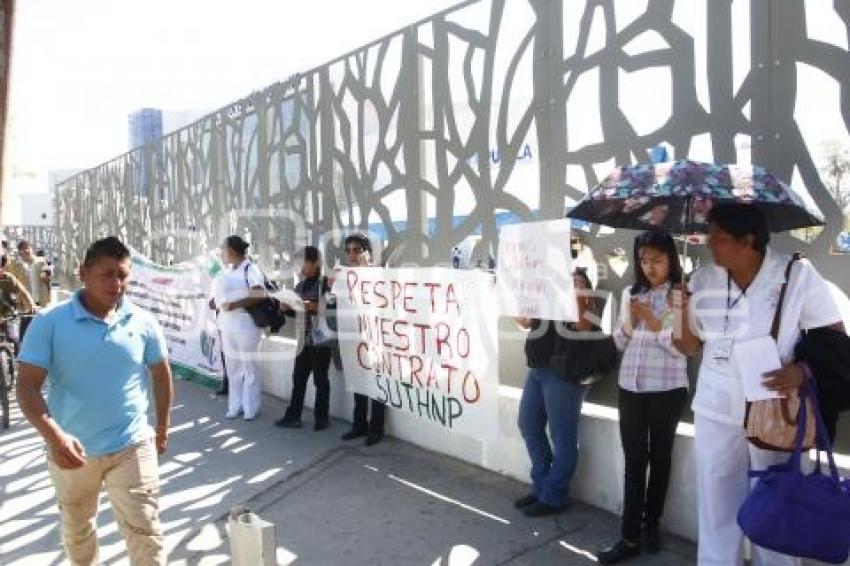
(534, 271)
(753, 359)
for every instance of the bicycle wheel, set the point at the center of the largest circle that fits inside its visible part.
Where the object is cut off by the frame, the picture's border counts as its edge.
(7, 377)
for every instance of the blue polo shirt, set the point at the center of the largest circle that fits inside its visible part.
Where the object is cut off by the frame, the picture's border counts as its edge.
(97, 377)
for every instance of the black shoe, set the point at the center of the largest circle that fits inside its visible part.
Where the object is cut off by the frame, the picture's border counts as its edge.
(373, 438)
(525, 501)
(354, 433)
(651, 539)
(287, 422)
(320, 424)
(220, 392)
(618, 552)
(540, 509)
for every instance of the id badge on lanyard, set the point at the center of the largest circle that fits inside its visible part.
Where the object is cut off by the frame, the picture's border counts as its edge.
(718, 353)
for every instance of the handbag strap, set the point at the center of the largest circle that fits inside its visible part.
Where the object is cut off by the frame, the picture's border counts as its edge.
(822, 443)
(777, 317)
(807, 392)
(265, 279)
(774, 331)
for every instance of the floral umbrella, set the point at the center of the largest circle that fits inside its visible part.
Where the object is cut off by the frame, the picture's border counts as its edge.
(676, 196)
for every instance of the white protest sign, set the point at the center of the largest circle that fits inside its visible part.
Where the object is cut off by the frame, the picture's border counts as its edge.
(424, 341)
(178, 297)
(534, 271)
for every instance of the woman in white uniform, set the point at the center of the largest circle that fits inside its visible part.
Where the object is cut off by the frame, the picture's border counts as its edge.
(241, 286)
(733, 301)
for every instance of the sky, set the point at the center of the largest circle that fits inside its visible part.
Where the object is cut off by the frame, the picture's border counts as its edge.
(79, 68)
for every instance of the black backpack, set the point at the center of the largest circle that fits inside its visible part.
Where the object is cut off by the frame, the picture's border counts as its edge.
(266, 313)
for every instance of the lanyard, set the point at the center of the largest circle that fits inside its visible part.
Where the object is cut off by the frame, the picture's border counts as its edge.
(730, 304)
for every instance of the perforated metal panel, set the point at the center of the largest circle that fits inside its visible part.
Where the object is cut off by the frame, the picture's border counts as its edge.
(425, 135)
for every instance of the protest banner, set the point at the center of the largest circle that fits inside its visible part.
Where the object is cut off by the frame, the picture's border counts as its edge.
(424, 341)
(178, 297)
(534, 271)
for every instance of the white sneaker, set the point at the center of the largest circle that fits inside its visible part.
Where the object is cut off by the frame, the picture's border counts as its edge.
(232, 415)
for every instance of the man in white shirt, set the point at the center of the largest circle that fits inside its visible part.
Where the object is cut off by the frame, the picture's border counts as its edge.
(733, 301)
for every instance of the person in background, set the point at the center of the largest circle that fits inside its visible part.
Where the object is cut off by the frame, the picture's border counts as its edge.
(358, 251)
(4, 253)
(312, 358)
(14, 298)
(35, 275)
(100, 355)
(653, 388)
(456, 255)
(734, 300)
(33, 272)
(549, 398)
(241, 286)
(583, 256)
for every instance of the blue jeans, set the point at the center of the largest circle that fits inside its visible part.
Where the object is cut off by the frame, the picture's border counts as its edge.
(547, 397)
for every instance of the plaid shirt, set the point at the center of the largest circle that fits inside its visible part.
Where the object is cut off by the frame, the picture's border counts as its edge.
(650, 360)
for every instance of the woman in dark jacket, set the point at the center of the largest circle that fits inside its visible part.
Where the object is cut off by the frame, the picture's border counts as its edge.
(313, 358)
(549, 397)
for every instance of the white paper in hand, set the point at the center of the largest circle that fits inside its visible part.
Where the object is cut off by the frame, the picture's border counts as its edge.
(287, 296)
(753, 359)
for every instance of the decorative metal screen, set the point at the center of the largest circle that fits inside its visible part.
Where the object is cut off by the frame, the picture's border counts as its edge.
(492, 108)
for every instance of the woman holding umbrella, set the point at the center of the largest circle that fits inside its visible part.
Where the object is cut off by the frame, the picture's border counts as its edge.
(733, 301)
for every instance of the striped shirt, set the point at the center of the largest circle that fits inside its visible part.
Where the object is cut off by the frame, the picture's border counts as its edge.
(650, 360)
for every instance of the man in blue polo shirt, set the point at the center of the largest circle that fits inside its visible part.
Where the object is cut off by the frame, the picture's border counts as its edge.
(99, 354)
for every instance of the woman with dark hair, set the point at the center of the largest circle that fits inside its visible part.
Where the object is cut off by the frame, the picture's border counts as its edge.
(241, 286)
(358, 252)
(743, 286)
(653, 387)
(312, 357)
(549, 398)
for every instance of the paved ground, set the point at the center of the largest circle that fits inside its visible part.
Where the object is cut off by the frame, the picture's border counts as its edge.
(332, 502)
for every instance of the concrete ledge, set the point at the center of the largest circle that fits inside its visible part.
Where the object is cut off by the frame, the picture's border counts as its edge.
(599, 477)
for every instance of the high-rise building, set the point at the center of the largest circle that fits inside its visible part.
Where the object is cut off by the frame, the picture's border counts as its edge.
(144, 126)
(148, 126)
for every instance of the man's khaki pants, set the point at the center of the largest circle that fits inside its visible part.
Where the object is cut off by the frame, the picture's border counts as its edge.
(132, 483)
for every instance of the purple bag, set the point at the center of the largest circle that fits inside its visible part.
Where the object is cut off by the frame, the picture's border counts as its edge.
(797, 514)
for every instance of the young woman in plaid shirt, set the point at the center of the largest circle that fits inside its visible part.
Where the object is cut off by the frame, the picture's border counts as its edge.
(653, 388)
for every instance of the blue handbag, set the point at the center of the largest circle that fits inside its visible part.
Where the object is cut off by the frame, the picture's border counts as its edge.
(805, 515)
